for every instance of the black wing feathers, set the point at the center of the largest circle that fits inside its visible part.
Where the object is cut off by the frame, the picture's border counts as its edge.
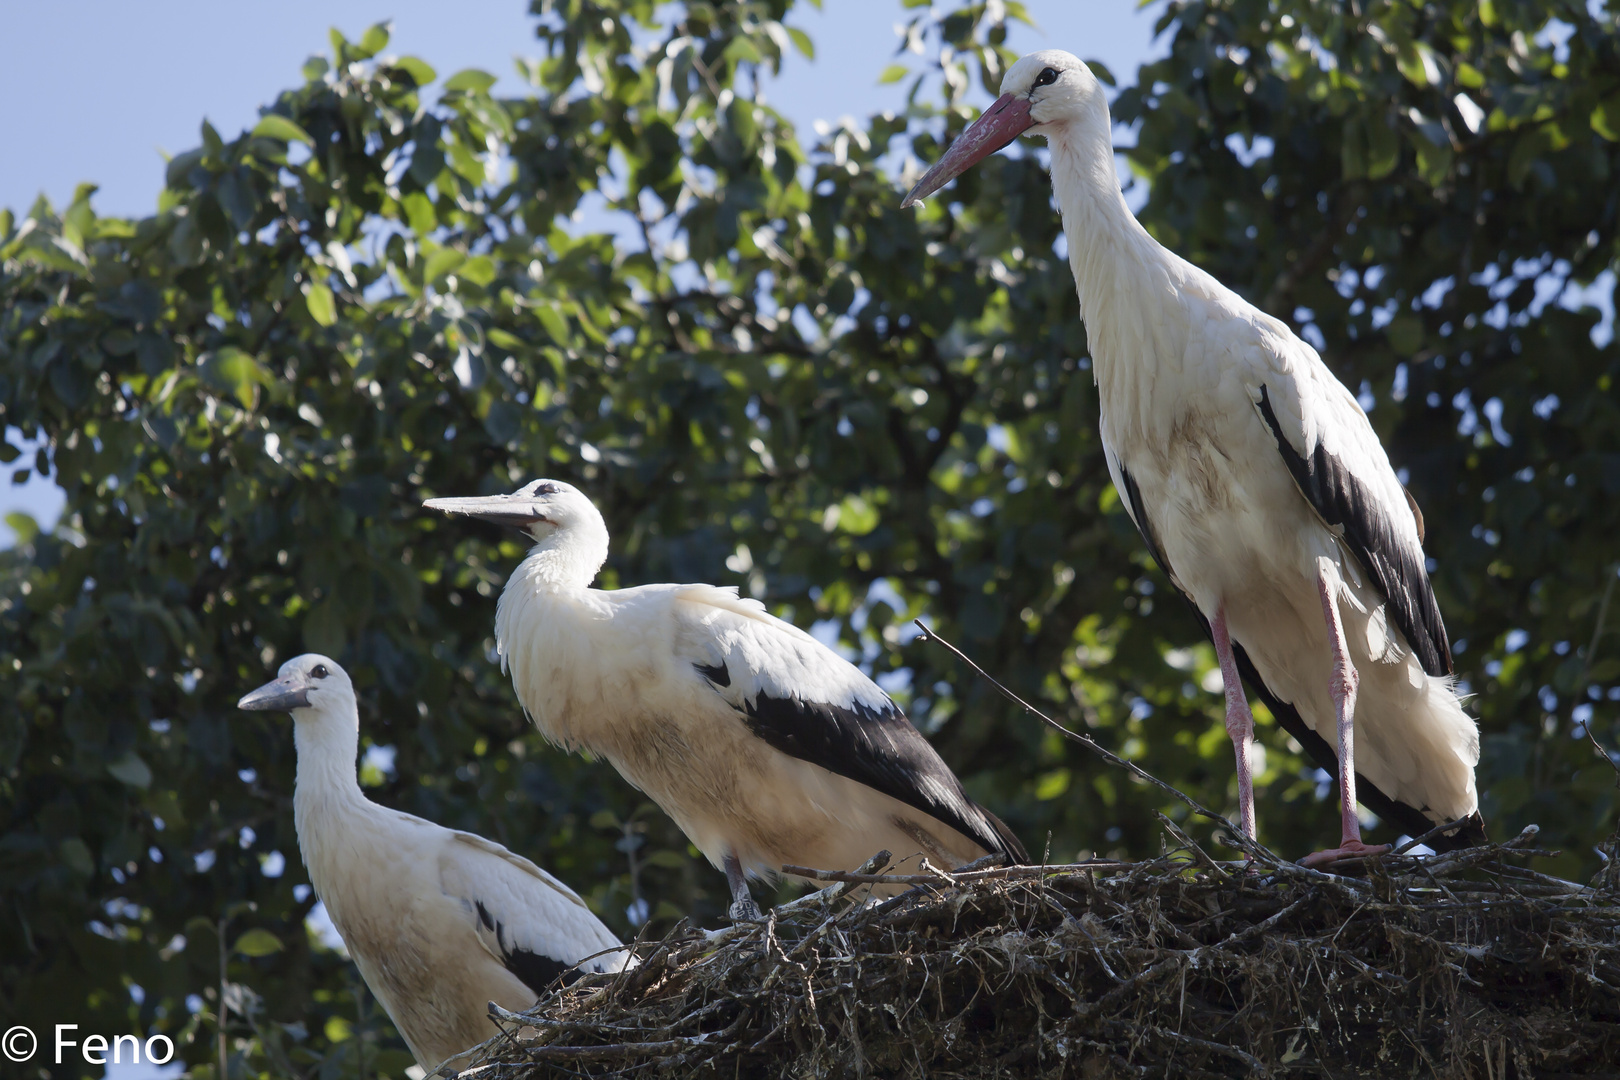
(534, 970)
(879, 749)
(1408, 819)
(1394, 565)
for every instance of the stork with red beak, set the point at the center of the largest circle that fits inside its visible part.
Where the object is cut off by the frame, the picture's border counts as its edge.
(1258, 486)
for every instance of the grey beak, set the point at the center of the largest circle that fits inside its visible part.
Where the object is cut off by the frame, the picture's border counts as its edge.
(514, 510)
(280, 695)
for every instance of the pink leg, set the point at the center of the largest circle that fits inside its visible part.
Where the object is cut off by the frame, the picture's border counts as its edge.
(1239, 721)
(1342, 685)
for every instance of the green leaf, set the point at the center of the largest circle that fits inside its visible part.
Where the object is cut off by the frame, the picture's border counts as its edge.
(131, 770)
(257, 942)
(234, 371)
(1405, 333)
(419, 70)
(893, 74)
(480, 270)
(440, 263)
(276, 126)
(1606, 119)
(1353, 149)
(1468, 75)
(505, 340)
(742, 51)
(470, 80)
(1383, 148)
(1434, 161)
(419, 213)
(555, 325)
(1050, 785)
(321, 303)
(76, 854)
(23, 525)
(375, 39)
(802, 42)
(1416, 61)
(1100, 70)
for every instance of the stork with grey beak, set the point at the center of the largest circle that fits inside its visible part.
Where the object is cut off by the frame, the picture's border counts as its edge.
(439, 922)
(765, 746)
(1258, 486)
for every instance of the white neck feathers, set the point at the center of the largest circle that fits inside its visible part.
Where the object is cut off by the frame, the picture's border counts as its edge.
(328, 788)
(568, 558)
(1130, 298)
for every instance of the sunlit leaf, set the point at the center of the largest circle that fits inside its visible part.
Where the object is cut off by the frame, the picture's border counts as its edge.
(470, 80)
(257, 942)
(276, 126)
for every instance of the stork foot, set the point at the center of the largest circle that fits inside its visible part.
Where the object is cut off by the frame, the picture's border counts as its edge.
(744, 911)
(1348, 849)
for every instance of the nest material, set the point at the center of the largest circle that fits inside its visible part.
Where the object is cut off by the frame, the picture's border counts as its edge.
(1464, 965)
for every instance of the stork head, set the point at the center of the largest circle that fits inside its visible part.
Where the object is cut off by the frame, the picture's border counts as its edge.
(555, 515)
(1041, 93)
(309, 682)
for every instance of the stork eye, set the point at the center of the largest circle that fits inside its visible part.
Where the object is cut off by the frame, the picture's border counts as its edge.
(319, 671)
(1047, 77)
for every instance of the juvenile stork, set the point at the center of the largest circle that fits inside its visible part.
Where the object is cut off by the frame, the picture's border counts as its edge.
(1258, 486)
(763, 745)
(439, 922)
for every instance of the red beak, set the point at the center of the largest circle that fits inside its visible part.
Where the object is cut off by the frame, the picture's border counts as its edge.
(999, 125)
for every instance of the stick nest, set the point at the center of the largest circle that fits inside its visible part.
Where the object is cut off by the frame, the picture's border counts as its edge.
(1465, 964)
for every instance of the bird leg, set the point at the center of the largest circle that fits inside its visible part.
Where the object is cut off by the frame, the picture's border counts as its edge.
(743, 908)
(1342, 685)
(1239, 721)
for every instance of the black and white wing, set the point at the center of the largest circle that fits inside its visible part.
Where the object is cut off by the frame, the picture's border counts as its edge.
(533, 924)
(1335, 458)
(808, 702)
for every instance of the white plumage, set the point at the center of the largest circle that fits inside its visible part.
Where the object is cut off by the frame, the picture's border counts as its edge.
(765, 746)
(1257, 482)
(439, 922)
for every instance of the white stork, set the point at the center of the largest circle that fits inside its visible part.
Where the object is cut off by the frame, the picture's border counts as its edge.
(764, 745)
(1258, 485)
(439, 922)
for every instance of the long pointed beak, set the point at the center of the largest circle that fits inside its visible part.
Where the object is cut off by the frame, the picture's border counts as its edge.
(280, 695)
(511, 510)
(999, 125)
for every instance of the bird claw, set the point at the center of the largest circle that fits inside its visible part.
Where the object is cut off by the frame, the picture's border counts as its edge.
(1349, 849)
(744, 911)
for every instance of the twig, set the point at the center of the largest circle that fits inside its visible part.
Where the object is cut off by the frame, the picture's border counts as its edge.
(1191, 845)
(1433, 833)
(1586, 668)
(1246, 844)
(938, 878)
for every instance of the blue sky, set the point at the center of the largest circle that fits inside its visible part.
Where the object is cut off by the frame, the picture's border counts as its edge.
(100, 91)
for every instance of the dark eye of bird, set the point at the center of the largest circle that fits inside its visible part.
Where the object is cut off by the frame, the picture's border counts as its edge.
(320, 671)
(1046, 78)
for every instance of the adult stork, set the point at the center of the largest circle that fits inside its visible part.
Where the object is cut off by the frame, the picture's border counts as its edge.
(1258, 486)
(439, 922)
(765, 746)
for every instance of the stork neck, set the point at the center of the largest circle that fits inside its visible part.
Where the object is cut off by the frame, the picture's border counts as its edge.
(327, 783)
(1123, 276)
(568, 558)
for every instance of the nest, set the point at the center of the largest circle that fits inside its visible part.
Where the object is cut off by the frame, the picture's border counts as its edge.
(1464, 964)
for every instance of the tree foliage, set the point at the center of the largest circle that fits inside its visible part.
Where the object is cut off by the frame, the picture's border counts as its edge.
(768, 376)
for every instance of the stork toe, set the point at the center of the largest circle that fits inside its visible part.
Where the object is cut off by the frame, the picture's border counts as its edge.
(1349, 849)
